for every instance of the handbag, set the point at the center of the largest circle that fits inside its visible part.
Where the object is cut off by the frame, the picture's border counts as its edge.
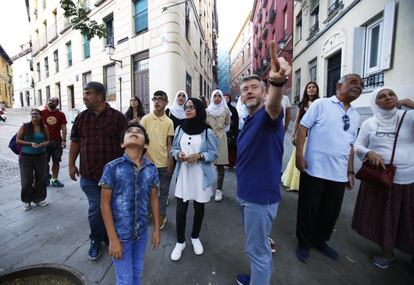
(382, 177)
(14, 146)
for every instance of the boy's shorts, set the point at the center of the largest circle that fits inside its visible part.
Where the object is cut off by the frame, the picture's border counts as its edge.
(54, 151)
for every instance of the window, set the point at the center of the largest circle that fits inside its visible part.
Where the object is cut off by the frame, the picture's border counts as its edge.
(86, 77)
(313, 70)
(56, 60)
(285, 17)
(297, 86)
(47, 93)
(46, 67)
(86, 46)
(298, 28)
(373, 46)
(188, 84)
(69, 53)
(201, 85)
(110, 82)
(109, 23)
(187, 22)
(39, 92)
(38, 71)
(141, 16)
(314, 20)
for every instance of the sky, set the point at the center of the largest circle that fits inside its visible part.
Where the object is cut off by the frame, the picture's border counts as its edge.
(231, 15)
(14, 27)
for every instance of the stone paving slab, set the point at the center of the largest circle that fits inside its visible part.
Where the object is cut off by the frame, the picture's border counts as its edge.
(59, 232)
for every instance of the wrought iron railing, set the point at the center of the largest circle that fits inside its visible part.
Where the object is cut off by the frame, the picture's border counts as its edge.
(373, 81)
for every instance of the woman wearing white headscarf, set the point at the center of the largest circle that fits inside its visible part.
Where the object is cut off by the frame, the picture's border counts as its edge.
(176, 112)
(218, 117)
(386, 215)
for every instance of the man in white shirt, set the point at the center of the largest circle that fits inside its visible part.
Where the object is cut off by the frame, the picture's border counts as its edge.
(286, 110)
(328, 165)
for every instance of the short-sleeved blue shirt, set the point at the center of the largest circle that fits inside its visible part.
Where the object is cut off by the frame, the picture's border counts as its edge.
(131, 189)
(259, 158)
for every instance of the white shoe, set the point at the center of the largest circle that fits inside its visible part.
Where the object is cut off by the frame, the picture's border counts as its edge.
(177, 251)
(27, 206)
(42, 203)
(197, 246)
(219, 195)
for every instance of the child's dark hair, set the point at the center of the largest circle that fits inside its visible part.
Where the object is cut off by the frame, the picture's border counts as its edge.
(135, 124)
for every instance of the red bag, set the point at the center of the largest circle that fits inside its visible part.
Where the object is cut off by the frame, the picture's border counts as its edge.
(383, 177)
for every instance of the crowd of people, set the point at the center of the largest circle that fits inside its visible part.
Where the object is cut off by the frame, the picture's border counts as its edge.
(128, 161)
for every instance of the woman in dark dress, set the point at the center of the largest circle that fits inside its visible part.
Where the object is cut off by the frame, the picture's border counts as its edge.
(135, 110)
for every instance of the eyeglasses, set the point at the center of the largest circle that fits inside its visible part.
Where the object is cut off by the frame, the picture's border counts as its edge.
(383, 134)
(190, 107)
(135, 131)
(346, 120)
(155, 99)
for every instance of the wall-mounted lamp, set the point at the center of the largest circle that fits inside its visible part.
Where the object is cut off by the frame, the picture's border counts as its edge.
(110, 50)
(176, 4)
(282, 44)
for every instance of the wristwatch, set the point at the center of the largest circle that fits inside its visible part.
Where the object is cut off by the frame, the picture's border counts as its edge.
(201, 156)
(278, 84)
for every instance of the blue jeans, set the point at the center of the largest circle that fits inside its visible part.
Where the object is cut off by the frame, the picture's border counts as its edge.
(163, 189)
(258, 220)
(93, 193)
(129, 268)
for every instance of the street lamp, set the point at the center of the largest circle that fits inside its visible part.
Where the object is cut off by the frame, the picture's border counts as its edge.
(282, 44)
(176, 4)
(110, 50)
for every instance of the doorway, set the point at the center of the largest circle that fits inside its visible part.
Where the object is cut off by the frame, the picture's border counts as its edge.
(334, 73)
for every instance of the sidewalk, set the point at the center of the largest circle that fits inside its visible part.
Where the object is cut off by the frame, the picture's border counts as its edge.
(58, 234)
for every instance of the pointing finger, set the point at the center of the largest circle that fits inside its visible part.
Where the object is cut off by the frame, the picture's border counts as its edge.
(274, 62)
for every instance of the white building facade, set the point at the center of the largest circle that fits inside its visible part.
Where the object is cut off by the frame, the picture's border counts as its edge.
(368, 37)
(158, 46)
(241, 56)
(23, 79)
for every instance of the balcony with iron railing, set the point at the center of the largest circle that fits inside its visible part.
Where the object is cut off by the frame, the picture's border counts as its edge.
(313, 30)
(373, 81)
(52, 32)
(141, 22)
(334, 6)
(64, 24)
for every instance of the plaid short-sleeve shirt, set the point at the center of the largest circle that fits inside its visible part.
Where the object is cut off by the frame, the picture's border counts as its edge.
(99, 137)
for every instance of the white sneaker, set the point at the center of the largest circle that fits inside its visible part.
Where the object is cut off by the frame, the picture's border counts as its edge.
(177, 251)
(219, 195)
(27, 206)
(42, 203)
(197, 246)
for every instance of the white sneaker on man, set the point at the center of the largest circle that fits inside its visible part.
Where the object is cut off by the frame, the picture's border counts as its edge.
(42, 203)
(177, 251)
(197, 246)
(219, 195)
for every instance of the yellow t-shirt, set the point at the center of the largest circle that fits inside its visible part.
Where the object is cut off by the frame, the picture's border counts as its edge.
(158, 129)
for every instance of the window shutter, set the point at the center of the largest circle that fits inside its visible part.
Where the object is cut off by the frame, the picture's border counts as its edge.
(358, 50)
(387, 38)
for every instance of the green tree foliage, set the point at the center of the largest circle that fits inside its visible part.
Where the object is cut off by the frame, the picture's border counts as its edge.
(80, 21)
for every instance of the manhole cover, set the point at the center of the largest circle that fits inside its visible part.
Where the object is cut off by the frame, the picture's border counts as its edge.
(43, 275)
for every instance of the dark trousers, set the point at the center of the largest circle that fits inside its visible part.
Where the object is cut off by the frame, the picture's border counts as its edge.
(33, 171)
(93, 192)
(220, 176)
(181, 218)
(319, 205)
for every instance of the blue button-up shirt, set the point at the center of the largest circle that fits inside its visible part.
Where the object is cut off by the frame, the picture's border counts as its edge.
(131, 189)
(329, 145)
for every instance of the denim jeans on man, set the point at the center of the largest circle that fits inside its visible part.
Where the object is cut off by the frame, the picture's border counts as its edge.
(258, 220)
(129, 268)
(164, 189)
(93, 192)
